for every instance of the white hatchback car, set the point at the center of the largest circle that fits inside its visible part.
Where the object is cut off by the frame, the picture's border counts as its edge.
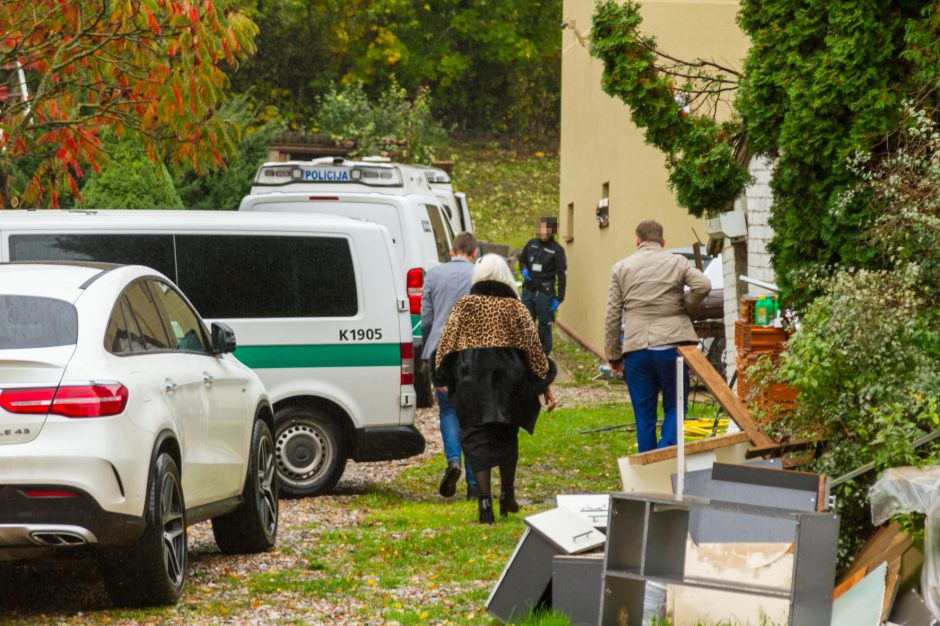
(123, 421)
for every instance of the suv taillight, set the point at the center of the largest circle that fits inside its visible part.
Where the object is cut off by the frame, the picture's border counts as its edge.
(407, 364)
(415, 286)
(27, 401)
(91, 400)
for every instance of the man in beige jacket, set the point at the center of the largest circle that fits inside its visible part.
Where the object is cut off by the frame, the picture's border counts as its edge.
(647, 299)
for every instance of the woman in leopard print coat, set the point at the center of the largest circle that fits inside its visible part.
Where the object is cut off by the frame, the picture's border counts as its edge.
(491, 362)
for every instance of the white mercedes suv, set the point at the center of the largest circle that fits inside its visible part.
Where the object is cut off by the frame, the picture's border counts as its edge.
(122, 421)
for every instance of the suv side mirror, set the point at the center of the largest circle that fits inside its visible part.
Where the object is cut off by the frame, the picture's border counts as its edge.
(223, 338)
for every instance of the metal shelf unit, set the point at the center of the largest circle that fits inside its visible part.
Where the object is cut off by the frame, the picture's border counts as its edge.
(646, 541)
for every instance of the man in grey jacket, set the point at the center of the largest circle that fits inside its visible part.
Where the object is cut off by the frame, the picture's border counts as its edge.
(443, 286)
(648, 301)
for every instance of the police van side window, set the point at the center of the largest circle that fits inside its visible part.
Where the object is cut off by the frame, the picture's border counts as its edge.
(440, 234)
(250, 276)
(154, 251)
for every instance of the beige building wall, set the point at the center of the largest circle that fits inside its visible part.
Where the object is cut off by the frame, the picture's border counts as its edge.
(600, 145)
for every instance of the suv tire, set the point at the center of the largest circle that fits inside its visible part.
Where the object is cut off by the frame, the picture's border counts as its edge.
(311, 449)
(153, 571)
(252, 527)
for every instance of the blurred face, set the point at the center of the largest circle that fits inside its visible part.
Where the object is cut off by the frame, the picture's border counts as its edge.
(545, 231)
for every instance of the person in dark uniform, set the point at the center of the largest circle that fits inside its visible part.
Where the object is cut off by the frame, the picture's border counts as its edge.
(543, 266)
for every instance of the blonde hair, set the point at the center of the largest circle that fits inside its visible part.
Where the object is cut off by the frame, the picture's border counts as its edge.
(493, 267)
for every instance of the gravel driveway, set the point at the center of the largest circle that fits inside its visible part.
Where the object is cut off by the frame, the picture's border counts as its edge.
(70, 591)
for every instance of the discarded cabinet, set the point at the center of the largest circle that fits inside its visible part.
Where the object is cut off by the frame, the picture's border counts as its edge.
(525, 581)
(647, 541)
(739, 547)
(592, 507)
(576, 587)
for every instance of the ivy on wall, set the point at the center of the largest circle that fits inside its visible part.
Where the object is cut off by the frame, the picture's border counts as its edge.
(822, 80)
(700, 151)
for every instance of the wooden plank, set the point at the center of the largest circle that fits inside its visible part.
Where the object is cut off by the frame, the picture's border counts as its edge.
(822, 494)
(723, 394)
(694, 447)
(892, 581)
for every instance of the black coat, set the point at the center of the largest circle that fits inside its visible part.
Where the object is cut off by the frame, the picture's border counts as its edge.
(493, 385)
(547, 266)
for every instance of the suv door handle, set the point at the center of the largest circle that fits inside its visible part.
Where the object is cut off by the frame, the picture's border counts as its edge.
(207, 378)
(169, 386)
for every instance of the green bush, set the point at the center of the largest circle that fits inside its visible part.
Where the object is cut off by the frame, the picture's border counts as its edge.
(224, 188)
(865, 360)
(866, 352)
(391, 125)
(129, 179)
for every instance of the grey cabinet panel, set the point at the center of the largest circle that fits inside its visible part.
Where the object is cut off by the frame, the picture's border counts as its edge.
(576, 587)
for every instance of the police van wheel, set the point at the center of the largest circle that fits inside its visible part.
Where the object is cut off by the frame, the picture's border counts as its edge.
(310, 448)
(423, 395)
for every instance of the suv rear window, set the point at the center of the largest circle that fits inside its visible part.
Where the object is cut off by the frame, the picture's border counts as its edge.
(34, 322)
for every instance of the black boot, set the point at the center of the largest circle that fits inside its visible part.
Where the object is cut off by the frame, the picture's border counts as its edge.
(449, 481)
(507, 502)
(507, 493)
(485, 504)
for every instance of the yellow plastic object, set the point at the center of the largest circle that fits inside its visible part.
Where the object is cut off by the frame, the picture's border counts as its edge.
(704, 427)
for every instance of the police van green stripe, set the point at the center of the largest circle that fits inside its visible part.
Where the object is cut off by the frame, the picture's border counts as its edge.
(338, 355)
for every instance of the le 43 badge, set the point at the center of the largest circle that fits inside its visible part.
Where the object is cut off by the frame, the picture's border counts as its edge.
(12, 432)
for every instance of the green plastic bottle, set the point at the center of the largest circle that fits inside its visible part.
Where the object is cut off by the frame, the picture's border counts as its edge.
(763, 311)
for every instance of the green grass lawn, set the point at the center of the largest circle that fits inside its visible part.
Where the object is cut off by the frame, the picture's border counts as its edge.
(411, 537)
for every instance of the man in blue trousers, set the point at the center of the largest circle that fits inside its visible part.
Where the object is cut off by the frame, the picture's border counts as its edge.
(443, 285)
(648, 301)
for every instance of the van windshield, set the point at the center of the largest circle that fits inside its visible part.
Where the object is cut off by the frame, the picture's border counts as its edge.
(383, 213)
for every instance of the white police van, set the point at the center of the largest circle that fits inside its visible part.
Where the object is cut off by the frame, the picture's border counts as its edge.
(454, 202)
(315, 301)
(397, 196)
